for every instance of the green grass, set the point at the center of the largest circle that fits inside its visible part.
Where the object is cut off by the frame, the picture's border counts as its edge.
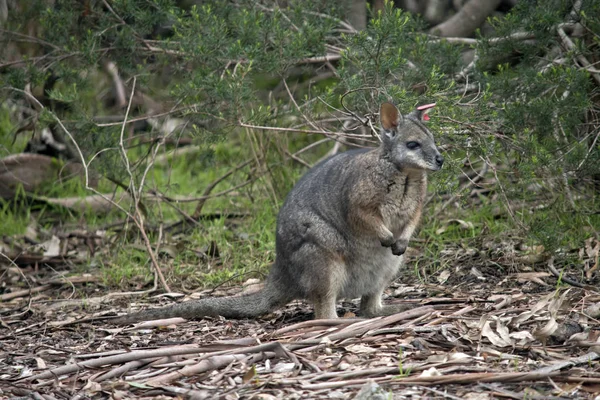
(13, 218)
(245, 245)
(246, 250)
(128, 266)
(442, 234)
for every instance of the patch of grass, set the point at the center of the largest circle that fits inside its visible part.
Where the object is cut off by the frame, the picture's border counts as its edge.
(127, 266)
(458, 230)
(13, 218)
(9, 144)
(246, 246)
(559, 229)
(402, 371)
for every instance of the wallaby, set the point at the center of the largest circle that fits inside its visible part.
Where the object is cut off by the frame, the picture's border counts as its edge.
(342, 230)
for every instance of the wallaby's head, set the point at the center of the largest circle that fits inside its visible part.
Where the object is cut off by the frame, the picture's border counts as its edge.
(406, 142)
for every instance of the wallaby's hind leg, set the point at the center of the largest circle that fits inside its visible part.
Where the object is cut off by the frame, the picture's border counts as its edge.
(322, 279)
(325, 289)
(325, 307)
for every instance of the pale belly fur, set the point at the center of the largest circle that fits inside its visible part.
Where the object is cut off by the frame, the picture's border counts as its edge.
(370, 270)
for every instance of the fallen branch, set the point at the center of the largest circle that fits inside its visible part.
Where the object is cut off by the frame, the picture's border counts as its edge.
(24, 292)
(117, 359)
(567, 280)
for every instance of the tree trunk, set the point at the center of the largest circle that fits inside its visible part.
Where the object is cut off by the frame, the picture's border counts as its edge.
(378, 5)
(436, 11)
(357, 14)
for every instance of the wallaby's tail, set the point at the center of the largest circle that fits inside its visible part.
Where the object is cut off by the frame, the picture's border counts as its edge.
(245, 306)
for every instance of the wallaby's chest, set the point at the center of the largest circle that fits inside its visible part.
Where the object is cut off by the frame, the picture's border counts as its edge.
(403, 201)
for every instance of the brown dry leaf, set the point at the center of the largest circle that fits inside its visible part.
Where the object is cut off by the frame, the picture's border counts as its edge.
(477, 396)
(523, 337)
(578, 338)
(502, 330)
(495, 339)
(557, 303)
(443, 277)
(592, 247)
(501, 300)
(438, 358)
(167, 322)
(533, 277)
(92, 387)
(41, 364)
(460, 357)
(360, 349)
(264, 396)
(487, 352)
(249, 375)
(516, 321)
(464, 225)
(51, 247)
(543, 333)
(283, 368)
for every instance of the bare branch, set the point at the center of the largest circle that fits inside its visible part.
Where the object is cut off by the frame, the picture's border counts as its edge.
(469, 18)
(209, 188)
(570, 46)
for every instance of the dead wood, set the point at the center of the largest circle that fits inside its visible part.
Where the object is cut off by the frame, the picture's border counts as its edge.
(469, 18)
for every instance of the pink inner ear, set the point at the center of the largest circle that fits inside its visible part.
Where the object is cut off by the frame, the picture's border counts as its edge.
(425, 117)
(426, 107)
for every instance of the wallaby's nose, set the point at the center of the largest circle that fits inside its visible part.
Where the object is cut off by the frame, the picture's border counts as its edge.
(439, 160)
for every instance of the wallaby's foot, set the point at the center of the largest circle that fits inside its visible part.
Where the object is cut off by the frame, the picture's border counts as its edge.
(370, 306)
(384, 310)
(399, 247)
(390, 309)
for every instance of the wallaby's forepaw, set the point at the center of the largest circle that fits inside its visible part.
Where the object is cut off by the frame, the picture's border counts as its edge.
(388, 241)
(399, 247)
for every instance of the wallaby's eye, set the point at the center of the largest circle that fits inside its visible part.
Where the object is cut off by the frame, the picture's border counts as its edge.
(413, 145)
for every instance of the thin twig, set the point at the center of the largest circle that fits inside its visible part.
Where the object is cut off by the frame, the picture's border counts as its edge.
(567, 280)
(563, 173)
(467, 185)
(321, 132)
(139, 218)
(569, 45)
(213, 184)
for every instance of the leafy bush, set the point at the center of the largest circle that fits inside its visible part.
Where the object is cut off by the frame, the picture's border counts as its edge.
(524, 111)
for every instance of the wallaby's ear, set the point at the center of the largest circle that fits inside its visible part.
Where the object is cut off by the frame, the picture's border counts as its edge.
(421, 112)
(389, 116)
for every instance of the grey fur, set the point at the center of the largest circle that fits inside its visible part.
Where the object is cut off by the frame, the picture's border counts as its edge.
(342, 230)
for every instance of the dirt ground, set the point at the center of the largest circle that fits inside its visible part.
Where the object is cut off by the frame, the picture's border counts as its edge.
(484, 328)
